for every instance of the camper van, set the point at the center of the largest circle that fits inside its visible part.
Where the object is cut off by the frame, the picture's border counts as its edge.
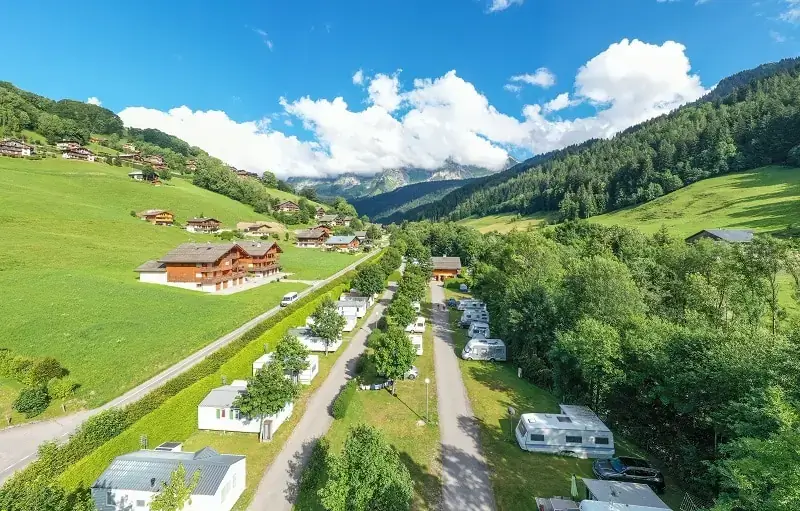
(470, 303)
(576, 431)
(289, 298)
(471, 315)
(417, 327)
(478, 329)
(485, 349)
(416, 341)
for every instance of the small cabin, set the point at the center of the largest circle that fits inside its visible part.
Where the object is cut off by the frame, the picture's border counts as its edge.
(313, 343)
(305, 376)
(576, 431)
(217, 413)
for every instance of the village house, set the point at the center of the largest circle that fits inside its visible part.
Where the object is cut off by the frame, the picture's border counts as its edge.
(261, 258)
(78, 153)
(155, 161)
(311, 238)
(725, 235)
(323, 227)
(157, 216)
(342, 243)
(203, 225)
(328, 220)
(287, 207)
(65, 145)
(198, 266)
(361, 235)
(343, 221)
(245, 173)
(319, 213)
(129, 147)
(216, 412)
(191, 165)
(132, 480)
(445, 267)
(259, 228)
(96, 140)
(13, 147)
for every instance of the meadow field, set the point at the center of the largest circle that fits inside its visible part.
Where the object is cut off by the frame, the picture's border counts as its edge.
(69, 291)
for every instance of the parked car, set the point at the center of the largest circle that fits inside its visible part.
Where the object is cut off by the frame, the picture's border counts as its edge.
(463, 288)
(451, 302)
(629, 470)
(412, 373)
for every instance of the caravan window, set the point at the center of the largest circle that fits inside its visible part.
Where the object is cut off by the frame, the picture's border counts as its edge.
(574, 439)
(601, 440)
(537, 437)
(521, 429)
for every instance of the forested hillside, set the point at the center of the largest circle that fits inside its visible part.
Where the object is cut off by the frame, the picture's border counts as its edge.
(757, 124)
(389, 207)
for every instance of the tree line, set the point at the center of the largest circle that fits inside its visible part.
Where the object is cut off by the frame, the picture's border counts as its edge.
(686, 349)
(756, 124)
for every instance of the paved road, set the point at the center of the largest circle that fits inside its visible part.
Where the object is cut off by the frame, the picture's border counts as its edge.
(277, 489)
(18, 445)
(465, 476)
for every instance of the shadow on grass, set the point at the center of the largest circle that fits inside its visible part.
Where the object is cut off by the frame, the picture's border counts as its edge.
(294, 473)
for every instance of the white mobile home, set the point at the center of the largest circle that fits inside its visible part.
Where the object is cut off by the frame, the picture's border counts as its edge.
(484, 349)
(576, 431)
(417, 327)
(314, 343)
(305, 375)
(470, 303)
(592, 505)
(416, 340)
(354, 295)
(131, 480)
(351, 308)
(628, 494)
(350, 323)
(470, 315)
(417, 307)
(217, 413)
(478, 329)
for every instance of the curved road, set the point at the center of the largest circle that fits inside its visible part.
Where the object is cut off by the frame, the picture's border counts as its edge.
(19, 444)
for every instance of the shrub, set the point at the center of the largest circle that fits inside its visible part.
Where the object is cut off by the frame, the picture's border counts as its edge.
(133, 213)
(44, 370)
(32, 401)
(342, 402)
(61, 388)
(361, 364)
(383, 324)
(20, 367)
(314, 473)
(6, 363)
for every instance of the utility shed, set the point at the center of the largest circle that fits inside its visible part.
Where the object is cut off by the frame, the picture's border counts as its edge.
(726, 235)
(634, 494)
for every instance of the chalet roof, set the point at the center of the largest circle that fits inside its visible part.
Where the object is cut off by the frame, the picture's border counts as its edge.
(256, 248)
(311, 234)
(340, 240)
(446, 263)
(250, 225)
(151, 266)
(321, 209)
(287, 202)
(360, 234)
(147, 470)
(152, 212)
(729, 235)
(197, 253)
(328, 218)
(202, 220)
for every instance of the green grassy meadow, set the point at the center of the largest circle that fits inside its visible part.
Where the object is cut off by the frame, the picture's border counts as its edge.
(67, 280)
(504, 223)
(518, 477)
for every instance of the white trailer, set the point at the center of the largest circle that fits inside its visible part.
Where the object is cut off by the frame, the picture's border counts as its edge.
(484, 349)
(470, 303)
(314, 343)
(305, 376)
(478, 329)
(417, 327)
(416, 340)
(473, 315)
(576, 431)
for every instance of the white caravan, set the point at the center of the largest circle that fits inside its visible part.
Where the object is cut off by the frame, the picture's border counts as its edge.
(470, 303)
(473, 315)
(305, 376)
(576, 431)
(217, 413)
(350, 323)
(417, 327)
(314, 343)
(478, 329)
(484, 349)
(416, 340)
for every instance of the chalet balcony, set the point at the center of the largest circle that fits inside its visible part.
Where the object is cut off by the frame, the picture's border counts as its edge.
(224, 277)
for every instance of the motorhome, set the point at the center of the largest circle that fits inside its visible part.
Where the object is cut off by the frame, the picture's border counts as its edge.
(484, 349)
(478, 329)
(289, 298)
(416, 341)
(576, 431)
(417, 327)
(471, 315)
(305, 376)
(470, 303)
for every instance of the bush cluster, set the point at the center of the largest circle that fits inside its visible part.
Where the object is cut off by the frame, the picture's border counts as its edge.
(32, 401)
(342, 402)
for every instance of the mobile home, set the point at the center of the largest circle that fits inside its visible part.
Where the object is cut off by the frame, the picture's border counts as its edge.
(417, 327)
(352, 308)
(619, 492)
(416, 340)
(314, 343)
(473, 315)
(217, 413)
(305, 376)
(484, 349)
(470, 303)
(478, 329)
(576, 431)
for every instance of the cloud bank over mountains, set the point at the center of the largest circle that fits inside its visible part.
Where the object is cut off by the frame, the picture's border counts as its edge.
(436, 119)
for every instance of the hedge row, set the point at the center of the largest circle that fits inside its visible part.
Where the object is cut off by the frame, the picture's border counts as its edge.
(342, 402)
(100, 429)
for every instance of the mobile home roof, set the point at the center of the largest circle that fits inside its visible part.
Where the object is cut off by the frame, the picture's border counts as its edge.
(572, 418)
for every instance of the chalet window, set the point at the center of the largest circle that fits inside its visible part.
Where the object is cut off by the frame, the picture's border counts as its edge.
(537, 437)
(574, 439)
(601, 440)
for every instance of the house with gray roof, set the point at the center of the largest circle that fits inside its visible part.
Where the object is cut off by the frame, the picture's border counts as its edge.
(630, 494)
(311, 238)
(216, 412)
(131, 480)
(357, 308)
(726, 235)
(342, 243)
(327, 219)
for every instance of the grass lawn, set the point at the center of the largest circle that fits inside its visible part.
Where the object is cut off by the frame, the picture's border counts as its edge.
(518, 477)
(314, 263)
(66, 273)
(395, 276)
(764, 199)
(398, 418)
(505, 222)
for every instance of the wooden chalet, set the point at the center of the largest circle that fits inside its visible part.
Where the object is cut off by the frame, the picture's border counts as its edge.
(78, 153)
(326, 228)
(191, 165)
(157, 216)
(155, 161)
(724, 235)
(311, 238)
(445, 267)
(259, 228)
(203, 225)
(262, 257)
(287, 207)
(14, 147)
(328, 219)
(343, 221)
(200, 266)
(319, 213)
(65, 145)
(129, 147)
(342, 243)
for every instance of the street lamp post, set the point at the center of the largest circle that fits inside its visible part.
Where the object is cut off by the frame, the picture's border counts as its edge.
(427, 409)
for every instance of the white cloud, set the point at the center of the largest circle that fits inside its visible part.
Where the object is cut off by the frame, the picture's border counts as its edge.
(358, 77)
(264, 37)
(501, 5)
(543, 77)
(510, 87)
(777, 36)
(94, 101)
(438, 119)
(792, 12)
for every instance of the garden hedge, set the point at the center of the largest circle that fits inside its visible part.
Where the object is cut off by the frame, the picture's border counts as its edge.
(342, 402)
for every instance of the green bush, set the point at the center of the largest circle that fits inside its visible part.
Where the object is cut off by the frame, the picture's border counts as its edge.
(32, 401)
(20, 367)
(342, 402)
(314, 473)
(361, 364)
(61, 388)
(44, 370)
(6, 363)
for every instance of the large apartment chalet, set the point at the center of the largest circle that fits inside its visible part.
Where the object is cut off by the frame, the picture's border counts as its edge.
(157, 216)
(212, 267)
(204, 225)
(287, 207)
(13, 147)
(311, 238)
(445, 267)
(78, 153)
(155, 161)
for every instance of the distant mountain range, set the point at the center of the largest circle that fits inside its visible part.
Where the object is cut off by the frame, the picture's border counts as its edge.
(352, 186)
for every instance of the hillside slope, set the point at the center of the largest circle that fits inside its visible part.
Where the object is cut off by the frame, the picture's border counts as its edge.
(66, 272)
(755, 125)
(388, 207)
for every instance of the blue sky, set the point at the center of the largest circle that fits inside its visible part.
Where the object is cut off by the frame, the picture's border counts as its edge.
(231, 63)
